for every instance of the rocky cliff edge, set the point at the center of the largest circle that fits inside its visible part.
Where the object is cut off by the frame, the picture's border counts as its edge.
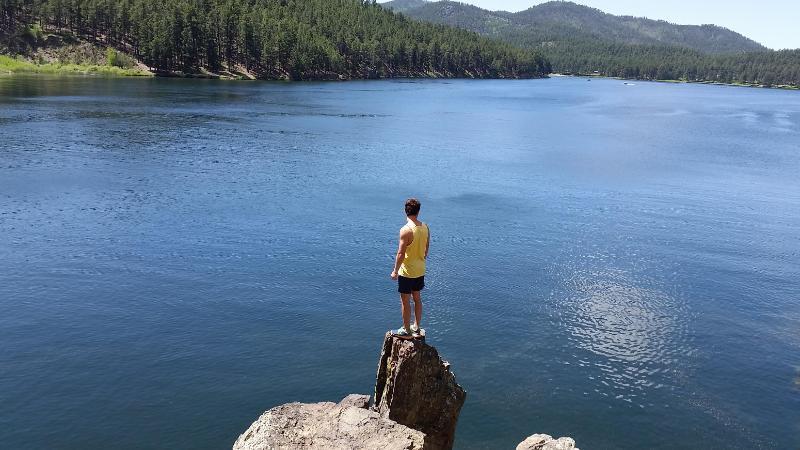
(415, 407)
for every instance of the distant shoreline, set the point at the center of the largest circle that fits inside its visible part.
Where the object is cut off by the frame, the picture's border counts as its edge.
(10, 65)
(715, 83)
(18, 66)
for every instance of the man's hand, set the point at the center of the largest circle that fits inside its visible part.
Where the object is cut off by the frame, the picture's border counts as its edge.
(394, 275)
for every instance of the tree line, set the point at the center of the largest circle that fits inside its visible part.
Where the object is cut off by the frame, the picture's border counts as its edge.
(277, 39)
(673, 63)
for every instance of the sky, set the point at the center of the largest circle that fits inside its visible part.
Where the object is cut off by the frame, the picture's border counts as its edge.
(773, 23)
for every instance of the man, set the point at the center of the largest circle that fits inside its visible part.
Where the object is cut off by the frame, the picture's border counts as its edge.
(409, 267)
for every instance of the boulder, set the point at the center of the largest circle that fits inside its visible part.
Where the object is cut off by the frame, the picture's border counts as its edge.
(546, 442)
(356, 401)
(415, 387)
(328, 426)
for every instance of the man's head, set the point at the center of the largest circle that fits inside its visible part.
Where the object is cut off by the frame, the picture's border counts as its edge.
(412, 207)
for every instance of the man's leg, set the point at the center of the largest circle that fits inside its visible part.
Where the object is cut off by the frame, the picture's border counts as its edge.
(417, 308)
(406, 309)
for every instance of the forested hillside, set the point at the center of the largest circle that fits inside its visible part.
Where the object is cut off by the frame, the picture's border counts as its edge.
(579, 39)
(573, 18)
(402, 5)
(674, 63)
(275, 39)
(561, 20)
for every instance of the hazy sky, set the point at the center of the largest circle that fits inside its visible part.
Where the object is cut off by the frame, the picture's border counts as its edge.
(774, 23)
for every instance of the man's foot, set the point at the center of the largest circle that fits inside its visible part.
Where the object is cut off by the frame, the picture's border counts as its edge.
(402, 332)
(415, 328)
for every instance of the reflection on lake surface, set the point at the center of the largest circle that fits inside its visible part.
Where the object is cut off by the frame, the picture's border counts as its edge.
(613, 263)
(635, 332)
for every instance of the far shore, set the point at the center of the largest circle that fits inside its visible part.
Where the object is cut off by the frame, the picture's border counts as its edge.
(14, 65)
(17, 65)
(716, 83)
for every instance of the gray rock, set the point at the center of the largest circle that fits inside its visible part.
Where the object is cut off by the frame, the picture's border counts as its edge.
(546, 442)
(414, 387)
(417, 403)
(534, 442)
(329, 426)
(356, 401)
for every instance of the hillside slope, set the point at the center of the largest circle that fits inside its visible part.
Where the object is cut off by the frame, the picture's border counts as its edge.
(579, 39)
(561, 20)
(277, 39)
(404, 5)
(636, 30)
(30, 49)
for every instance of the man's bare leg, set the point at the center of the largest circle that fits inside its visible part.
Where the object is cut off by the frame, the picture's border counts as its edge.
(406, 309)
(417, 309)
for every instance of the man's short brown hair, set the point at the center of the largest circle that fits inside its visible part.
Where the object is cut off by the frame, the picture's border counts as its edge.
(412, 207)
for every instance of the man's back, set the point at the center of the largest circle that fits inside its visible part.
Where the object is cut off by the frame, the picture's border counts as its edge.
(413, 265)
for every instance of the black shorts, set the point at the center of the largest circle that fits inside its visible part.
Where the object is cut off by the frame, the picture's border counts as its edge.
(409, 285)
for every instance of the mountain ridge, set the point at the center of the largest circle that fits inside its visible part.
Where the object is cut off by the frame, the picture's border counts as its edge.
(565, 19)
(583, 40)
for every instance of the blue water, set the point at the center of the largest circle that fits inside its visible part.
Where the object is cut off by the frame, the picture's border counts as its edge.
(619, 264)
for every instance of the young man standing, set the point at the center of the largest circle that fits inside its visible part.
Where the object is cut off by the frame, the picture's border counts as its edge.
(409, 267)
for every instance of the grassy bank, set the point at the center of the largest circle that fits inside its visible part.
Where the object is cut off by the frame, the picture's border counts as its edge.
(10, 65)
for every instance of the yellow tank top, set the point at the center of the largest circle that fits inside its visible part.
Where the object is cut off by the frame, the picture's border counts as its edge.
(414, 263)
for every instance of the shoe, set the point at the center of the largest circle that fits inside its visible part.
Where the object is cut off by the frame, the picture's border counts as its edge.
(415, 329)
(402, 332)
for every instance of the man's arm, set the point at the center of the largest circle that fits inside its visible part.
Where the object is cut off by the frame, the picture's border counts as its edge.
(428, 242)
(406, 237)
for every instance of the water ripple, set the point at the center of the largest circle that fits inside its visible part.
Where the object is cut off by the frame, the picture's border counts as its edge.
(638, 330)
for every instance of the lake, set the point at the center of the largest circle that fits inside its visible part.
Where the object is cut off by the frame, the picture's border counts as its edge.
(616, 263)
